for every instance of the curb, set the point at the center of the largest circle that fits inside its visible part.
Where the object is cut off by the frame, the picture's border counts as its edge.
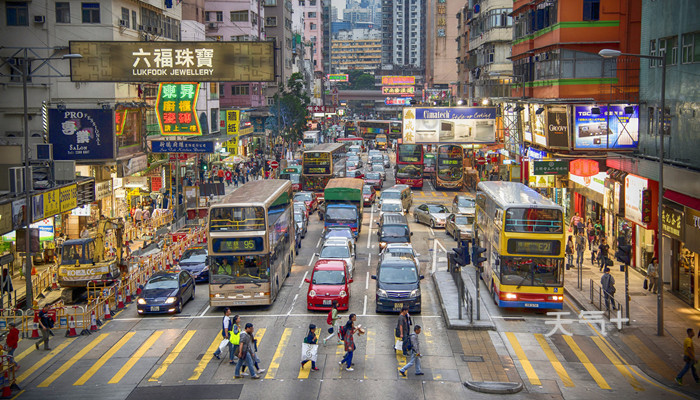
(494, 387)
(575, 299)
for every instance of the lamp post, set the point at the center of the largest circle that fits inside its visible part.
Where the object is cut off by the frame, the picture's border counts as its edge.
(609, 53)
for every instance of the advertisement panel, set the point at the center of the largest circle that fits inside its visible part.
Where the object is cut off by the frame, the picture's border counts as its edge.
(398, 101)
(129, 140)
(52, 206)
(179, 146)
(637, 200)
(449, 125)
(338, 77)
(672, 222)
(173, 61)
(526, 124)
(68, 198)
(176, 109)
(37, 207)
(399, 90)
(614, 128)
(538, 126)
(596, 182)
(557, 127)
(398, 80)
(232, 121)
(81, 134)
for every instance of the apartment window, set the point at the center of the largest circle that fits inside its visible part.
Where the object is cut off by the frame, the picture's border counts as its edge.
(271, 3)
(240, 90)
(63, 13)
(125, 16)
(91, 13)
(652, 52)
(312, 27)
(270, 101)
(270, 21)
(691, 47)
(217, 16)
(17, 13)
(312, 14)
(240, 38)
(591, 10)
(133, 20)
(312, 3)
(221, 90)
(301, 3)
(239, 16)
(668, 48)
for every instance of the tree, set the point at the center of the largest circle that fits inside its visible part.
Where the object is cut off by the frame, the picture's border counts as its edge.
(364, 81)
(290, 109)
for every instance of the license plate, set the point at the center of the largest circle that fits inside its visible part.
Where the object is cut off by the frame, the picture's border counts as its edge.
(327, 302)
(534, 305)
(398, 306)
(239, 303)
(155, 308)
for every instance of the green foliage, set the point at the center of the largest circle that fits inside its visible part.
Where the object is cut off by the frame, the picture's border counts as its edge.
(290, 106)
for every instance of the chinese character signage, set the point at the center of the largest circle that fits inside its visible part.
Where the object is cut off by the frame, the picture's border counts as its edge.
(449, 125)
(551, 167)
(398, 101)
(321, 109)
(68, 198)
(399, 90)
(179, 146)
(615, 127)
(81, 134)
(557, 128)
(119, 121)
(232, 121)
(176, 109)
(398, 80)
(173, 61)
(338, 77)
(637, 200)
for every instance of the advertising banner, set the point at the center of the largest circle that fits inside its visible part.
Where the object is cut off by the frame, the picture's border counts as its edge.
(637, 200)
(672, 223)
(399, 90)
(52, 206)
(37, 207)
(557, 128)
(173, 61)
(176, 109)
(68, 198)
(338, 77)
(81, 134)
(179, 146)
(538, 126)
(398, 80)
(613, 128)
(398, 101)
(550, 167)
(232, 122)
(449, 125)
(596, 182)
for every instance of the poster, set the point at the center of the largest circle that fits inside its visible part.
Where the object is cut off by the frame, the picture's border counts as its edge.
(557, 127)
(449, 125)
(616, 127)
(81, 134)
(176, 108)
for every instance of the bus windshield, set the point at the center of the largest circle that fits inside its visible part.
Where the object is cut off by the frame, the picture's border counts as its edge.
(408, 171)
(529, 271)
(338, 215)
(239, 269)
(534, 220)
(237, 219)
(450, 170)
(410, 153)
(317, 163)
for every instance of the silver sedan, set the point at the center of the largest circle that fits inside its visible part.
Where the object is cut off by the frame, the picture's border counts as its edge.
(459, 226)
(432, 214)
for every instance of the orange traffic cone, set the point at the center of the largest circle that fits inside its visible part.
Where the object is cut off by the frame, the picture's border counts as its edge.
(33, 270)
(128, 295)
(108, 312)
(93, 321)
(138, 286)
(120, 301)
(35, 326)
(71, 328)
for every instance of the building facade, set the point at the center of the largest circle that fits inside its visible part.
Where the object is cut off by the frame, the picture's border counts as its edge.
(278, 28)
(440, 49)
(358, 49)
(403, 34)
(313, 32)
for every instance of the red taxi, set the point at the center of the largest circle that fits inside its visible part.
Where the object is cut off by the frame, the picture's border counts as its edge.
(329, 281)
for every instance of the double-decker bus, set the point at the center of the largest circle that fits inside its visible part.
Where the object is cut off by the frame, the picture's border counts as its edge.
(352, 141)
(428, 165)
(409, 165)
(293, 173)
(449, 173)
(251, 244)
(320, 164)
(523, 234)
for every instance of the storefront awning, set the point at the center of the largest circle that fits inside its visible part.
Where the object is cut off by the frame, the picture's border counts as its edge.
(680, 198)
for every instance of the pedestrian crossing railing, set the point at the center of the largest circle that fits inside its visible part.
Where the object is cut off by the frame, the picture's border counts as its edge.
(465, 302)
(603, 300)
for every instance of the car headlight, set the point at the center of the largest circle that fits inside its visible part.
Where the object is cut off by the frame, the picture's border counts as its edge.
(381, 293)
(382, 245)
(415, 293)
(440, 221)
(170, 300)
(312, 293)
(141, 301)
(342, 293)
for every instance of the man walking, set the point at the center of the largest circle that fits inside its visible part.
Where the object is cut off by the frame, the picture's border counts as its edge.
(334, 319)
(580, 249)
(403, 328)
(653, 275)
(688, 358)
(246, 353)
(607, 283)
(603, 252)
(414, 348)
(45, 324)
(225, 332)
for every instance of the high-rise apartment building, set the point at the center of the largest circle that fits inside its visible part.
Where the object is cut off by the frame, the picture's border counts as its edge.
(313, 31)
(440, 49)
(278, 28)
(358, 49)
(403, 34)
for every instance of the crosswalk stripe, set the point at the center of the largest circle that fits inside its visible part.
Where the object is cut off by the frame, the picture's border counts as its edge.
(556, 364)
(105, 357)
(136, 357)
(279, 353)
(68, 364)
(522, 357)
(400, 358)
(431, 345)
(25, 353)
(444, 194)
(303, 371)
(206, 358)
(172, 356)
(44, 360)
(434, 194)
(586, 363)
(369, 350)
(617, 363)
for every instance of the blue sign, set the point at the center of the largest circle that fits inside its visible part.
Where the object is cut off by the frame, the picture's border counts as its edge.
(82, 134)
(179, 146)
(456, 113)
(611, 128)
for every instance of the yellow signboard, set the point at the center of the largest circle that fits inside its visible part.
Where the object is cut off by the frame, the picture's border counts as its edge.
(232, 122)
(52, 206)
(68, 197)
(232, 146)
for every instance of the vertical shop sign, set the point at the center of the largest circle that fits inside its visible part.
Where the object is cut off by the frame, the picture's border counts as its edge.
(176, 109)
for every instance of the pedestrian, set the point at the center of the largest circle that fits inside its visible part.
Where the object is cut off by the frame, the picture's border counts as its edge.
(6, 282)
(414, 349)
(225, 332)
(348, 331)
(403, 328)
(11, 342)
(235, 179)
(85, 233)
(245, 353)
(310, 339)
(256, 360)
(221, 175)
(138, 215)
(590, 232)
(333, 320)
(603, 248)
(573, 224)
(607, 283)
(229, 177)
(688, 358)
(235, 335)
(653, 275)
(580, 249)
(45, 324)
(570, 251)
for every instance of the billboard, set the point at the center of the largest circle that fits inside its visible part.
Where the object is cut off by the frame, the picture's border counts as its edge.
(179, 146)
(612, 128)
(637, 200)
(557, 127)
(173, 61)
(81, 134)
(232, 122)
(449, 125)
(399, 90)
(398, 101)
(338, 77)
(398, 80)
(176, 109)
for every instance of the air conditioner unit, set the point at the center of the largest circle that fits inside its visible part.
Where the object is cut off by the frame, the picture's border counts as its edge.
(123, 22)
(41, 152)
(16, 179)
(39, 19)
(212, 25)
(64, 170)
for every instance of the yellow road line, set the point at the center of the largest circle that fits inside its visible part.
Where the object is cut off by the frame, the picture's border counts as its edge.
(172, 356)
(68, 364)
(429, 340)
(303, 371)
(339, 353)
(44, 360)
(208, 356)
(369, 350)
(561, 371)
(259, 333)
(281, 347)
(444, 194)
(434, 193)
(400, 358)
(136, 357)
(99, 363)
(587, 363)
(25, 353)
(18, 394)
(529, 371)
(422, 193)
(616, 362)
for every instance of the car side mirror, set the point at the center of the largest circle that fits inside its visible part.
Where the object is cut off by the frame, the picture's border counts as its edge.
(411, 233)
(422, 276)
(350, 280)
(374, 277)
(307, 280)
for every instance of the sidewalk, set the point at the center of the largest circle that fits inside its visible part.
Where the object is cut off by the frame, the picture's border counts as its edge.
(658, 356)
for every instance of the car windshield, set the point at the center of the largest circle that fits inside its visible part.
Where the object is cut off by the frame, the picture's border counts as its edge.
(378, 168)
(162, 282)
(303, 197)
(322, 277)
(366, 190)
(464, 202)
(351, 164)
(373, 176)
(463, 220)
(530, 271)
(335, 214)
(335, 233)
(394, 231)
(437, 208)
(294, 178)
(398, 274)
(400, 251)
(353, 158)
(335, 252)
(194, 256)
(300, 207)
(391, 195)
(391, 206)
(298, 217)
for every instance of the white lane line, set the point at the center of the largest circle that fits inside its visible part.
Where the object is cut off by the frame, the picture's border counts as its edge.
(319, 242)
(218, 317)
(302, 279)
(312, 259)
(205, 311)
(432, 232)
(369, 232)
(293, 303)
(369, 260)
(367, 281)
(434, 257)
(364, 309)
(441, 246)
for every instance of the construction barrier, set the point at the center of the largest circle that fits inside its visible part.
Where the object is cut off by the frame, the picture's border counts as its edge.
(8, 383)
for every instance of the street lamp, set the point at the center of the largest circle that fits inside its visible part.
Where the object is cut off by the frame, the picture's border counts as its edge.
(610, 53)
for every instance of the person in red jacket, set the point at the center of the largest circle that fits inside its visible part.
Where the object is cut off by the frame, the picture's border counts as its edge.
(11, 341)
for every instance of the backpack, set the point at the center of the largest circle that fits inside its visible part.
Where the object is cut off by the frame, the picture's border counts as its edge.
(329, 319)
(408, 344)
(342, 331)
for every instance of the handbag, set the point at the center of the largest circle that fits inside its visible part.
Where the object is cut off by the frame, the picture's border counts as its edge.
(330, 330)
(608, 262)
(398, 345)
(646, 284)
(223, 344)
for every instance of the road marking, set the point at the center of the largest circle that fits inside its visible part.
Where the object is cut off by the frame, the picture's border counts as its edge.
(369, 351)
(369, 260)
(367, 281)
(25, 353)
(434, 257)
(586, 363)
(339, 352)
(369, 233)
(302, 279)
(434, 193)
(136, 357)
(364, 308)
(311, 260)
(68, 364)
(432, 232)
(205, 311)
(616, 362)
(429, 340)
(293, 303)
(275, 363)
(102, 360)
(44, 360)
(385, 316)
(303, 371)
(444, 194)
(208, 356)
(522, 357)
(172, 356)
(561, 371)
(441, 246)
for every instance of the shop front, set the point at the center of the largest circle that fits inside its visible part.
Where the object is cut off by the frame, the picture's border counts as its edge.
(588, 195)
(640, 226)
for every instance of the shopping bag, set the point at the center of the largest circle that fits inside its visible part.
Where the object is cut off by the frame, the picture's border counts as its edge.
(646, 284)
(309, 352)
(223, 344)
(398, 345)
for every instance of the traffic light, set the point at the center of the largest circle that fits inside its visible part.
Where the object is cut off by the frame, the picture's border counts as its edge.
(624, 251)
(477, 258)
(462, 254)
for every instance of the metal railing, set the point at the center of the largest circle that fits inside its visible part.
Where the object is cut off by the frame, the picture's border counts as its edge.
(598, 299)
(465, 300)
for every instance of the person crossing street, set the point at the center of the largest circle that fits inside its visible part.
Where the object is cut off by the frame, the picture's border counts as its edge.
(414, 350)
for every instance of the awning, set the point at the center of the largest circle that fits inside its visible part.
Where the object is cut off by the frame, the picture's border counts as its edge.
(680, 198)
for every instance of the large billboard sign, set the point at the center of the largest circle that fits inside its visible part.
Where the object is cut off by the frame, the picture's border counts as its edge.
(557, 127)
(399, 90)
(176, 109)
(81, 134)
(449, 125)
(173, 61)
(614, 127)
(398, 80)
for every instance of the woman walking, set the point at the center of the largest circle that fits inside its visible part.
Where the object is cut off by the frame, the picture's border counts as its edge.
(310, 339)
(348, 332)
(334, 319)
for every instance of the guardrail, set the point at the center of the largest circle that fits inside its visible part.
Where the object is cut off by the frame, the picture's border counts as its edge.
(465, 300)
(598, 299)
